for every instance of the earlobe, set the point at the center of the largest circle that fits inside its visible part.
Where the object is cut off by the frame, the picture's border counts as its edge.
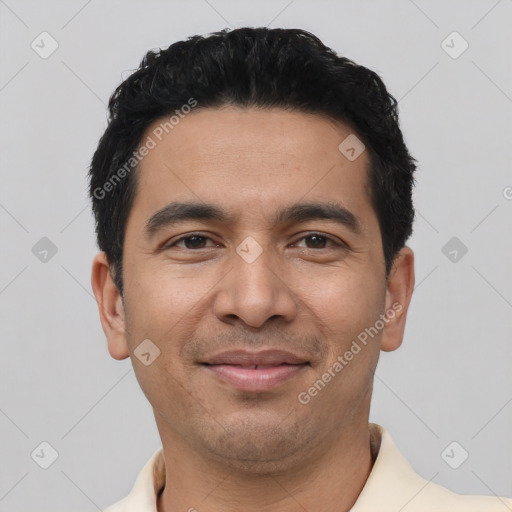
(400, 285)
(110, 307)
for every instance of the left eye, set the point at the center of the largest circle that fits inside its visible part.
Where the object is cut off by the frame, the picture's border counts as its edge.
(317, 241)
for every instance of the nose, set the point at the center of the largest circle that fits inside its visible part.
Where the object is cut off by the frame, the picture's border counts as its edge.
(255, 291)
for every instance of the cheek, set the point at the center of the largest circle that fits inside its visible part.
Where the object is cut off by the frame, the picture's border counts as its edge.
(162, 304)
(345, 304)
(167, 390)
(165, 310)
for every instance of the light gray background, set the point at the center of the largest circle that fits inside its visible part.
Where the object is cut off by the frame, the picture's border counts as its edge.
(451, 379)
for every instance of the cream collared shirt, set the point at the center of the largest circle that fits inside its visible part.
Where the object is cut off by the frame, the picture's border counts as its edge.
(393, 486)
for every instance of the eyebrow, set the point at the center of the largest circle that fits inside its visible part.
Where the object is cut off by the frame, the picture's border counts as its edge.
(176, 212)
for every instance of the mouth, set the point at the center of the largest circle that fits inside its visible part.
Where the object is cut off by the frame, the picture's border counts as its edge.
(256, 371)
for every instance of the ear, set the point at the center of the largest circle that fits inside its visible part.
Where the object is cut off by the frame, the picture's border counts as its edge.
(110, 307)
(400, 285)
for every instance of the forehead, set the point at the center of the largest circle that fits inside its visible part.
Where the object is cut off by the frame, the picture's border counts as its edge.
(249, 160)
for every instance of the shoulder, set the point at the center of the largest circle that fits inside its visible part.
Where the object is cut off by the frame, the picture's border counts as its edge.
(148, 484)
(394, 485)
(120, 506)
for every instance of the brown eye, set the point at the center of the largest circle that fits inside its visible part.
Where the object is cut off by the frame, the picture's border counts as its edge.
(316, 241)
(189, 242)
(194, 242)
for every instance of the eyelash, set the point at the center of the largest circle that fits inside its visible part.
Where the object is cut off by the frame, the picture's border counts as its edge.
(200, 235)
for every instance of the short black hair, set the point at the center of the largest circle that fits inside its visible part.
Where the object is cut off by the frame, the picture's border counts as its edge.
(251, 67)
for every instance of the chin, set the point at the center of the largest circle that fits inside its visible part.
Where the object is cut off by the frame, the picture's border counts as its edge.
(258, 447)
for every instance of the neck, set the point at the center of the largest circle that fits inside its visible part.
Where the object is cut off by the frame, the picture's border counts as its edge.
(329, 481)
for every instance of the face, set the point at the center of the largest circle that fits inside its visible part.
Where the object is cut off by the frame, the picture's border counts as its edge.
(253, 263)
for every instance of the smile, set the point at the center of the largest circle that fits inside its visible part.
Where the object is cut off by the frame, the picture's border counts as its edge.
(255, 378)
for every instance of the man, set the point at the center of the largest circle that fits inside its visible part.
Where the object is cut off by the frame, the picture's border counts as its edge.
(252, 194)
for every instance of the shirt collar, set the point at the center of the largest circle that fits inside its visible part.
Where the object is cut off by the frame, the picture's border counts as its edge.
(392, 481)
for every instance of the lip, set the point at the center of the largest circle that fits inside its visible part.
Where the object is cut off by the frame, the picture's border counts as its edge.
(256, 371)
(269, 357)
